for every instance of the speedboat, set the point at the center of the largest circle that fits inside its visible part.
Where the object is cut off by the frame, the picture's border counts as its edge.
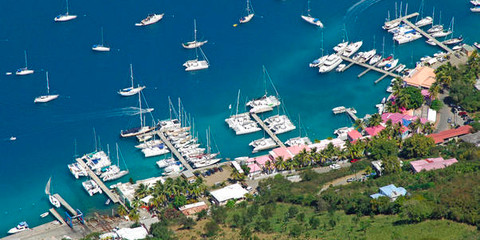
(54, 201)
(400, 68)
(341, 67)
(150, 19)
(22, 226)
(44, 214)
(331, 63)
(352, 48)
(424, 22)
(431, 42)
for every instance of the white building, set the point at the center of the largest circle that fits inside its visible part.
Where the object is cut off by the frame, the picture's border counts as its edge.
(234, 192)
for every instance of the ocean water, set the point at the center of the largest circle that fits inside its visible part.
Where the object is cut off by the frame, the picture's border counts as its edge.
(87, 81)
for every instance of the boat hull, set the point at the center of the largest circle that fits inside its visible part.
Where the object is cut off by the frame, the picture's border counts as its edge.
(64, 18)
(100, 48)
(45, 98)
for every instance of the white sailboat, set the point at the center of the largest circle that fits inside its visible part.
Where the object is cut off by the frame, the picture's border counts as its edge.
(194, 43)
(196, 64)
(138, 130)
(130, 91)
(101, 47)
(24, 71)
(48, 97)
(150, 19)
(307, 17)
(53, 200)
(249, 13)
(453, 41)
(65, 17)
(115, 173)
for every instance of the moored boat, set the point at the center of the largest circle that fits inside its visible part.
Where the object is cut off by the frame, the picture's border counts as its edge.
(22, 226)
(150, 19)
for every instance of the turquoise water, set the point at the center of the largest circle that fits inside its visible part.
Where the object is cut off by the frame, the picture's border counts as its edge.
(87, 82)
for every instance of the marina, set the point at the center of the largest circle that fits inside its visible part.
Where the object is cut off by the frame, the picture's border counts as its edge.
(267, 130)
(370, 67)
(65, 204)
(173, 150)
(57, 216)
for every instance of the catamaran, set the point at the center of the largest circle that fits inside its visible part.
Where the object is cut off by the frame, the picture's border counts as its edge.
(138, 130)
(130, 91)
(249, 13)
(265, 103)
(262, 144)
(65, 17)
(194, 43)
(91, 187)
(101, 47)
(196, 64)
(150, 19)
(48, 97)
(242, 123)
(24, 70)
(307, 17)
(53, 200)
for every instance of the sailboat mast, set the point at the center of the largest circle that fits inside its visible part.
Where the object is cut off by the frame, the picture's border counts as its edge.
(238, 100)
(67, 6)
(48, 84)
(433, 15)
(101, 33)
(118, 159)
(195, 30)
(131, 74)
(26, 63)
(95, 138)
(140, 105)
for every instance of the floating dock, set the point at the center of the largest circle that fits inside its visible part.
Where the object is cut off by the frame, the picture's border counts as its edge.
(350, 111)
(269, 132)
(370, 67)
(57, 215)
(425, 34)
(173, 150)
(113, 196)
(65, 204)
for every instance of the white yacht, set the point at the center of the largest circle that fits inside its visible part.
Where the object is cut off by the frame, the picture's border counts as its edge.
(352, 48)
(435, 28)
(150, 19)
(207, 162)
(389, 25)
(391, 65)
(298, 141)
(368, 55)
(312, 20)
(475, 9)
(22, 226)
(114, 176)
(318, 62)
(331, 63)
(24, 71)
(97, 160)
(400, 68)
(407, 37)
(453, 41)
(441, 33)
(374, 60)
(340, 109)
(138, 130)
(475, 2)
(100, 47)
(77, 170)
(166, 162)
(340, 47)
(173, 169)
(64, 17)
(424, 22)
(130, 91)
(194, 43)
(263, 104)
(385, 61)
(46, 98)
(431, 42)
(341, 67)
(249, 13)
(155, 150)
(262, 144)
(91, 187)
(150, 143)
(196, 64)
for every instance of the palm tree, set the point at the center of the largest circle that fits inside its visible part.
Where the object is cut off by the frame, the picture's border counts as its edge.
(374, 120)
(427, 128)
(359, 124)
(397, 86)
(280, 163)
(415, 125)
(236, 175)
(141, 191)
(122, 211)
(134, 215)
(268, 166)
(434, 90)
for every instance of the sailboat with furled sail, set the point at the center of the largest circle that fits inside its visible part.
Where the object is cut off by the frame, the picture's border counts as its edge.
(130, 91)
(307, 17)
(46, 98)
(194, 43)
(24, 70)
(249, 13)
(53, 200)
(65, 17)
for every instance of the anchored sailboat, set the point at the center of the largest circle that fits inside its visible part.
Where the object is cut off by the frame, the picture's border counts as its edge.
(65, 17)
(100, 47)
(53, 200)
(307, 17)
(130, 91)
(48, 97)
(194, 43)
(196, 64)
(24, 70)
(249, 13)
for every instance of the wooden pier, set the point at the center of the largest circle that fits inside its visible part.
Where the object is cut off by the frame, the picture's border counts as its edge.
(269, 132)
(57, 216)
(350, 111)
(113, 196)
(425, 34)
(370, 67)
(348, 66)
(173, 150)
(65, 204)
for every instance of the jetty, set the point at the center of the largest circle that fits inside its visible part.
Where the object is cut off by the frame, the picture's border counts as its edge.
(269, 132)
(425, 34)
(113, 196)
(65, 204)
(57, 216)
(370, 68)
(174, 151)
(350, 111)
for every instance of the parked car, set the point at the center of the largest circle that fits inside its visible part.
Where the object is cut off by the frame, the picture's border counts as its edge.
(335, 166)
(354, 160)
(220, 169)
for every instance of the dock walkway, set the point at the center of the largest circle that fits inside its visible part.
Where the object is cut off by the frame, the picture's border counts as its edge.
(173, 150)
(65, 204)
(365, 65)
(269, 132)
(57, 216)
(113, 196)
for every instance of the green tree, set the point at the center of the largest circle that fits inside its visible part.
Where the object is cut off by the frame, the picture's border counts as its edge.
(416, 210)
(211, 228)
(179, 200)
(374, 120)
(161, 231)
(187, 223)
(219, 214)
(436, 105)
(417, 146)
(314, 222)
(381, 148)
(410, 98)
(296, 230)
(391, 164)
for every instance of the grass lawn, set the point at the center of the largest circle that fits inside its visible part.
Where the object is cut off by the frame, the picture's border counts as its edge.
(335, 225)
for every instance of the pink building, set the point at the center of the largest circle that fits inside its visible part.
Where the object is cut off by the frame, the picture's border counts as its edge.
(353, 135)
(374, 131)
(431, 164)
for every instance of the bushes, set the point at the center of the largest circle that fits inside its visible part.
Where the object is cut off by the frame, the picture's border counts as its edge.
(417, 146)
(436, 105)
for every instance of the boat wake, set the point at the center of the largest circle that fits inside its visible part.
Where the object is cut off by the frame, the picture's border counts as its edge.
(112, 113)
(358, 8)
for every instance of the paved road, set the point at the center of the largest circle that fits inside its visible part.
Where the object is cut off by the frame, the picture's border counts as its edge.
(445, 114)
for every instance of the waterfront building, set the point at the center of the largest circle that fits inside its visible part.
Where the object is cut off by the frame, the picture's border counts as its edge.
(421, 77)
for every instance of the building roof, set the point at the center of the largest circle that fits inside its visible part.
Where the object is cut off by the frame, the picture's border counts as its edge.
(193, 208)
(254, 168)
(132, 233)
(237, 166)
(188, 174)
(450, 133)
(422, 76)
(234, 191)
(471, 138)
(404, 119)
(375, 130)
(128, 190)
(288, 152)
(354, 135)
(432, 164)
(336, 142)
(390, 191)
(261, 160)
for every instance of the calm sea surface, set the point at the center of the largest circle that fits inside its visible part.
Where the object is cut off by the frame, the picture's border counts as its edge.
(87, 81)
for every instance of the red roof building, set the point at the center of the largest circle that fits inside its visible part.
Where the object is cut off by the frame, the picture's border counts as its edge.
(374, 131)
(353, 135)
(446, 135)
